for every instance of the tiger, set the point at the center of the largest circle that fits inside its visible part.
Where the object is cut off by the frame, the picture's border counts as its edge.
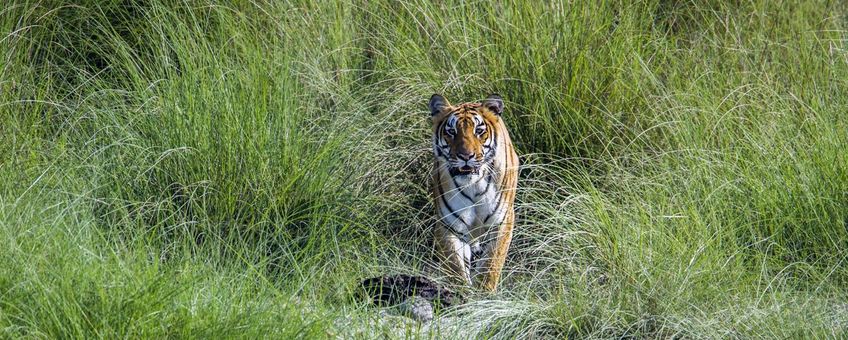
(473, 186)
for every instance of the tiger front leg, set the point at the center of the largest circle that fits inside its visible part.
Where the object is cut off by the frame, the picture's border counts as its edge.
(454, 255)
(495, 254)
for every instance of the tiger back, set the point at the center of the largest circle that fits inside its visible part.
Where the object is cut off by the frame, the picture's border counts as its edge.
(474, 180)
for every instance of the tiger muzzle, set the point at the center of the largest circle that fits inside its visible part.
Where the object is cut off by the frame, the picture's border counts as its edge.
(465, 164)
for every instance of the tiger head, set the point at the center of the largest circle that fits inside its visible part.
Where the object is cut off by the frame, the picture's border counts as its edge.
(464, 136)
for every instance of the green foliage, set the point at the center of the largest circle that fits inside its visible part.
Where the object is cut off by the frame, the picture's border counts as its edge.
(233, 168)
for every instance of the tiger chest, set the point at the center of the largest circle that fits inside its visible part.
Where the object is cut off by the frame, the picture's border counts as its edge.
(471, 206)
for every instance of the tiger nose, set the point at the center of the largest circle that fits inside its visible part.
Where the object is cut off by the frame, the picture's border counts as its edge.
(464, 156)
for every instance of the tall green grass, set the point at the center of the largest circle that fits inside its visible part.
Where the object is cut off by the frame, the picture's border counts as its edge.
(232, 169)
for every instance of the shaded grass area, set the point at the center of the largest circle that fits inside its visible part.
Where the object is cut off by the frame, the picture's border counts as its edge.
(209, 168)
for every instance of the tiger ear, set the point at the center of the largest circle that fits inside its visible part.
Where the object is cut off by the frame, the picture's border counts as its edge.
(437, 104)
(494, 103)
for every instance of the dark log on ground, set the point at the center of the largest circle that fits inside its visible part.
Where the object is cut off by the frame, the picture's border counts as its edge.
(394, 289)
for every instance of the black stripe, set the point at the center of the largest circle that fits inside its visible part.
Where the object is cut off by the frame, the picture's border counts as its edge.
(461, 236)
(483, 245)
(481, 178)
(453, 179)
(465, 195)
(494, 148)
(439, 150)
(440, 140)
(488, 185)
(494, 211)
(501, 193)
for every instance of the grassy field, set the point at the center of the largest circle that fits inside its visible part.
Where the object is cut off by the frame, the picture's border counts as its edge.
(204, 168)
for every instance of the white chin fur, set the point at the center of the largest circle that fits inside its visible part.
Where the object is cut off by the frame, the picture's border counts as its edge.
(464, 179)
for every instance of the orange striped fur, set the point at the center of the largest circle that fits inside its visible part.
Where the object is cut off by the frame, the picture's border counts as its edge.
(474, 179)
